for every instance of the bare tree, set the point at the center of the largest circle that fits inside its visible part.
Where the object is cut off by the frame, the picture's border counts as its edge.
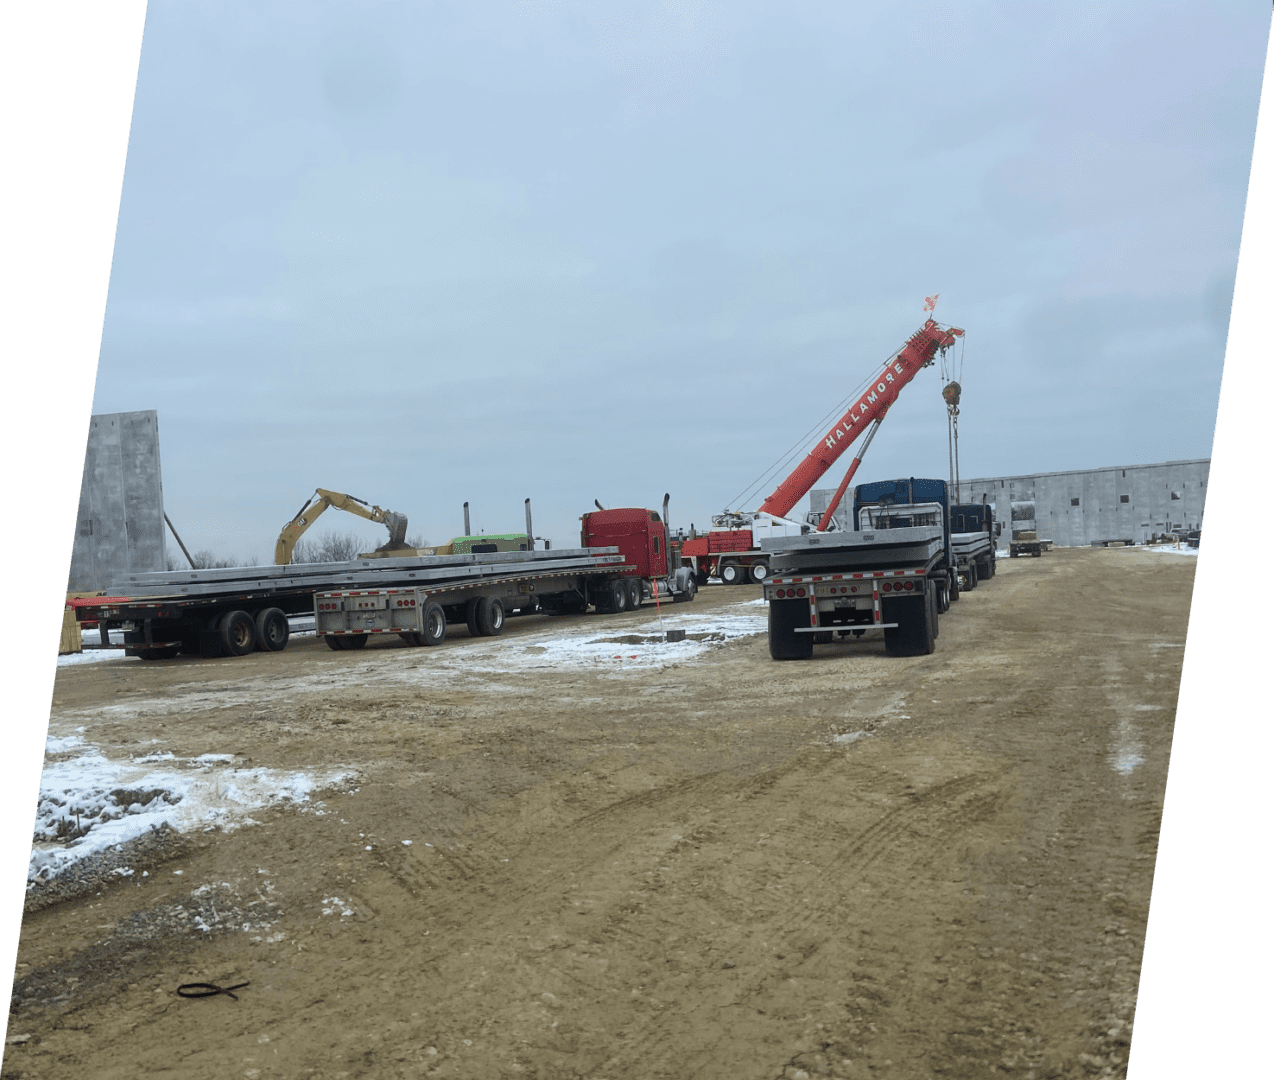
(330, 547)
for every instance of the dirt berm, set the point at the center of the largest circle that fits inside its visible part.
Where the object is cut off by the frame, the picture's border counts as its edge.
(718, 867)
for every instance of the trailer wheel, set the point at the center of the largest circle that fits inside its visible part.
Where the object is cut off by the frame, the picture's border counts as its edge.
(634, 594)
(434, 620)
(471, 616)
(333, 642)
(272, 630)
(913, 636)
(238, 633)
(701, 578)
(353, 641)
(785, 642)
(758, 572)
(934, 607)
(490, 615)
(731, 574)
(823, 637)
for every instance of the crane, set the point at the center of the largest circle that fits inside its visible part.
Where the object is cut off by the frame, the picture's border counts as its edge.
(866, 413)
(731, 550)
(319, 502)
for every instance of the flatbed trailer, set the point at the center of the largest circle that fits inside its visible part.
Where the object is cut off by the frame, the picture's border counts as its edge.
(623, 558)
(893, 572)
(973, 542)
(232, 612)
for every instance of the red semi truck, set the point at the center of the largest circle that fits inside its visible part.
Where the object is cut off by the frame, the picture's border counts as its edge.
(732, 550)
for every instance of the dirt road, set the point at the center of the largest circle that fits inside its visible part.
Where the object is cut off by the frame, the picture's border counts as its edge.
(723, 867)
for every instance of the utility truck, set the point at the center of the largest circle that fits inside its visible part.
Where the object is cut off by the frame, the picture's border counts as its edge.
(738, 547)
(1023, 539)
(893, 571)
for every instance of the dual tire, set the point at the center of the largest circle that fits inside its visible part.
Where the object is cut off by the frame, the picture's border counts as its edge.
(917, 627)
(484, 616)
(785, 642)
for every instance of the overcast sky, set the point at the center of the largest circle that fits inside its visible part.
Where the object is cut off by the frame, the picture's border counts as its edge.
(434, 252)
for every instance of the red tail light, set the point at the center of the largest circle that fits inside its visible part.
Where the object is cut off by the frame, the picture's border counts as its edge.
(908, 585)
(800, 592)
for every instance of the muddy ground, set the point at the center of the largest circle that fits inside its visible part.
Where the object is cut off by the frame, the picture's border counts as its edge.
(724, 867)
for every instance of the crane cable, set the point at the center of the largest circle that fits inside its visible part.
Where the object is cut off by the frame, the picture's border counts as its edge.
(767, 474)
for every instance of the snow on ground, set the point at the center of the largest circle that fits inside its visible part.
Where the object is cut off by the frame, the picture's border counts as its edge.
(620, 648)
(89, 803)
(1168, 549)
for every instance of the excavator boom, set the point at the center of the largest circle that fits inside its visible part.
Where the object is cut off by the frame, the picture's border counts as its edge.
(917, 353)
(319, 502)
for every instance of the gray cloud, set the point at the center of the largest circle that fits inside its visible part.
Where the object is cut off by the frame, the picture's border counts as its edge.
(431, 253)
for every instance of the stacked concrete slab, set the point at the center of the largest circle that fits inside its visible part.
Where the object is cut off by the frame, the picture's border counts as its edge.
(120, 526)
(1091, 506)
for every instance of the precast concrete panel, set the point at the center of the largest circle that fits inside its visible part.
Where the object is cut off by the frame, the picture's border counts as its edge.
(120, 525)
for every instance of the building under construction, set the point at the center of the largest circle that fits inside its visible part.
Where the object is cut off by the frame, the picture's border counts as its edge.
(1089, 506)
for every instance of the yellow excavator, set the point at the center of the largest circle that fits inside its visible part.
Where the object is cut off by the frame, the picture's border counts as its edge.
(319, 502)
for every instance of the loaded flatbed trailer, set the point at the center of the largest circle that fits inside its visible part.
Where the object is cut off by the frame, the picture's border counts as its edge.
(974, 557)
(845, 583)
(234, 611)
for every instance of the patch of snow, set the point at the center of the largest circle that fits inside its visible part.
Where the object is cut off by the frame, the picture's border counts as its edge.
(337, 905)
(1168, 549)
(89, 803)
(54, 745)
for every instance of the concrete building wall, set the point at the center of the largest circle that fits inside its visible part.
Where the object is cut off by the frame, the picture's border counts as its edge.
(1076, 509)
(120, 525)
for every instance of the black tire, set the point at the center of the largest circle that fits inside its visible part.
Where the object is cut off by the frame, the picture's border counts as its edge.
(823, 637)
(333, 642)
(1012, 554)
(238, 633)
(935, 608)
(731, 574)
(471, 616)
(953, 589)
(272, 630)
(434, 621)
(973, 575)
(913, 636)
(634, 593)
(758, 572)
(490, 616)
(1035, 554)
(618, 596)
(165, 652)
(785, 643)
(353, 641)
(701, 578)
